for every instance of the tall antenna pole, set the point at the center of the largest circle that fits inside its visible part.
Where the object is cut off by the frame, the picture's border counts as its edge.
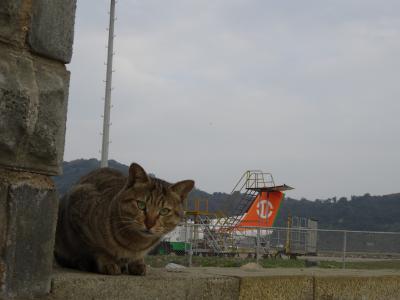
(107, 99)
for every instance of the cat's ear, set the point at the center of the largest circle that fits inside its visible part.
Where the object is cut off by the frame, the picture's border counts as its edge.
(182, 188)
(137, 175)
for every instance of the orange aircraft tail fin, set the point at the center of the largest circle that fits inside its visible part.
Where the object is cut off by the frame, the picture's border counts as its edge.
(263, 211)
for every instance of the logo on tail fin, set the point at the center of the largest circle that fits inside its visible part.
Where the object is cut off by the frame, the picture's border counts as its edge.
(263, 210)
(264, 207)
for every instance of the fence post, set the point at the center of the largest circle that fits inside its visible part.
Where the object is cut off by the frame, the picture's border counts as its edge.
(258, 245)
(344, 249)
(186, 239)
(192, 236)
(190, 254)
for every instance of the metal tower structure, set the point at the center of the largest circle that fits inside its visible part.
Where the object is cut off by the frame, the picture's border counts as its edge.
(219, 233)
(107, 98)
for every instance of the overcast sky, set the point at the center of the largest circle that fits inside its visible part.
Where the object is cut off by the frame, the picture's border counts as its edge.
(206, 89)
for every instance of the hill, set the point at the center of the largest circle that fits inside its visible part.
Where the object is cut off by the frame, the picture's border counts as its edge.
(371, 213)
(75, 169)
(374, 213)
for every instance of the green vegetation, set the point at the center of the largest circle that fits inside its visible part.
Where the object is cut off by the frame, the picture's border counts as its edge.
(161, 261)
(366, 265)
(365, 213)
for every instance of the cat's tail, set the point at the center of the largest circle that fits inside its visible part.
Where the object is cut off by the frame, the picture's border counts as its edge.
(83, 264)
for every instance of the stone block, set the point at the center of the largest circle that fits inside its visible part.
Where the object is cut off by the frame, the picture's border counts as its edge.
(33, 107)
(3, 231)
(386, 287)
(276, 287)
(29, 204)
(157, 284)
(14, 21)
(52, 28)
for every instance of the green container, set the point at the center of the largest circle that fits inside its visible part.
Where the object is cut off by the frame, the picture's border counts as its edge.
(179, 246)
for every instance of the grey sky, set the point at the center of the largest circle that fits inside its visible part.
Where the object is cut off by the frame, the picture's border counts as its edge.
(307, 90)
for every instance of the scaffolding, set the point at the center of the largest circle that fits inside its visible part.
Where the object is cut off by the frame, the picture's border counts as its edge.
(220, 231)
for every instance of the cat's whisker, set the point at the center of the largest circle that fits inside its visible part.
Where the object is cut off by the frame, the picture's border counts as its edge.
(122, 218)
(123, 228)
(122, 222)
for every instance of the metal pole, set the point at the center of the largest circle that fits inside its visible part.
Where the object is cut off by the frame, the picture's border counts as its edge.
(191, 247)
(344, 249)
(288, 235)
(258, 245)
(186, 237)
(107, 98)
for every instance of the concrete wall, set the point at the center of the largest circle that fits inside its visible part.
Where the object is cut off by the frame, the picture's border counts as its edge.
(230, 283)
(35, 44)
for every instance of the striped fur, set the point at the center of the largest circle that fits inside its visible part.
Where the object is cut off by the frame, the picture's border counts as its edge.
(102, 226)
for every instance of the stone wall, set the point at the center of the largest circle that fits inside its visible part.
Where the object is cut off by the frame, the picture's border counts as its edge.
(35, 44)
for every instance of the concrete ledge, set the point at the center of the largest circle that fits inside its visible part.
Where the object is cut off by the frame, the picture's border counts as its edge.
(357, 287)
(276, 287)
(230, 283)
(158, 284)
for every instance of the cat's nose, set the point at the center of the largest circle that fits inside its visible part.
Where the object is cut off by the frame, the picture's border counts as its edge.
(150, 222)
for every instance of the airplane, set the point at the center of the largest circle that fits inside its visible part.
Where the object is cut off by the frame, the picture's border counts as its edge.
(264, 209)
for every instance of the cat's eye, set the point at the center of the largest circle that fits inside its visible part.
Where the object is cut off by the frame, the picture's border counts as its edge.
(141, 205)
(164, 211)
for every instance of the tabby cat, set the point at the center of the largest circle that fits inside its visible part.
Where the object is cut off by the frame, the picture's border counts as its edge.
(108, 222)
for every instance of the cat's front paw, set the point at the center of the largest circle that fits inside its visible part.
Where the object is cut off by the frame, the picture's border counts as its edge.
(137, 268)
(110, 269)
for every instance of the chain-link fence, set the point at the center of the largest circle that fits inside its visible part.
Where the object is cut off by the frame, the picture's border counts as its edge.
(203, 245)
